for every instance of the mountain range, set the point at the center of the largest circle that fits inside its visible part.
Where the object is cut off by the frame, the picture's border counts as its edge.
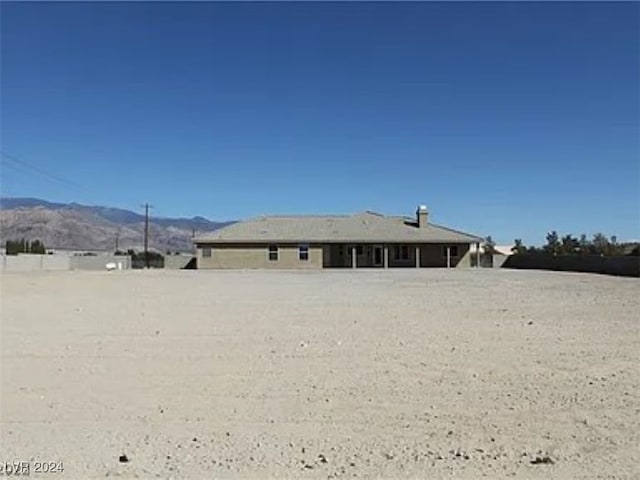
(83, 227)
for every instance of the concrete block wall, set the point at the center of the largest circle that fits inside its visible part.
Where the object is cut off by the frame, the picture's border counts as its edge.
(176, 262)
(99, 262)
(40, 263)
(34, 263)
(627, 266)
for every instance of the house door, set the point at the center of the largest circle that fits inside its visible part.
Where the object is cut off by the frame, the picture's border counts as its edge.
(377, 256)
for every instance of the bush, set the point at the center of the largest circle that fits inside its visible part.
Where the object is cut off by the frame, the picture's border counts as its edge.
(156, 260)
(14, 247)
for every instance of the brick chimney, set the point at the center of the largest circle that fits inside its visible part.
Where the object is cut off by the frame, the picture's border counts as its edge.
(422, 216)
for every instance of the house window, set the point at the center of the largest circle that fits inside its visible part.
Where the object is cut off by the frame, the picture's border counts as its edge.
(453, 251)
(303, 252)
(206, 252)
(401, 252)
(359, 250)
(273, 253)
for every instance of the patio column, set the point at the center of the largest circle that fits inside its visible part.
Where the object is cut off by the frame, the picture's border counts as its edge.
(418, 257)
(386, 256)
(354, 258)
(448, 256)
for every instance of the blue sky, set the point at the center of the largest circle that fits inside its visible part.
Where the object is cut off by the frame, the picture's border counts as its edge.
(506, 119)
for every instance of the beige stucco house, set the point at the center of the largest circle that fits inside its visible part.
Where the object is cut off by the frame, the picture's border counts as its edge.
(363, 240)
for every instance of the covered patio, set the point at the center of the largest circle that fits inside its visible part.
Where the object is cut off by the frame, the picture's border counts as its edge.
(396, 255)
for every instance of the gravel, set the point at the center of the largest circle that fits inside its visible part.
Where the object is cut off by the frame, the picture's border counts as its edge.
(378, 374)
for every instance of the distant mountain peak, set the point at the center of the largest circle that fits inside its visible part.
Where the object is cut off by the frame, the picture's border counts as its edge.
(73, 225)
(27, 202)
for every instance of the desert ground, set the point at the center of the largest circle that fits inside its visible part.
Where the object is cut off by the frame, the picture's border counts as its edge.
(332, 374)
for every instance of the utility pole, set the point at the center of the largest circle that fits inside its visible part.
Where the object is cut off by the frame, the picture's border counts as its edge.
(117, 239)
(146, 235)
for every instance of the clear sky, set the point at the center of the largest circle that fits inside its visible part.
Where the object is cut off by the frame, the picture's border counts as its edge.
(505, 119)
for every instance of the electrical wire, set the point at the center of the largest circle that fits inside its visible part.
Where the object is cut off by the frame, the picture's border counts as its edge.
(26, 167)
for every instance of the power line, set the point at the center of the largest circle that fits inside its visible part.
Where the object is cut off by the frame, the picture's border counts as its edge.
(26, 167)
(7, 178)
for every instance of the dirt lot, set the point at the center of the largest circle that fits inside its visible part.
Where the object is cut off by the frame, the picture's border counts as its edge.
(405, 373)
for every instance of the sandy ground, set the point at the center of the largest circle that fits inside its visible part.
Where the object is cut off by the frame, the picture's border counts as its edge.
(397, 374)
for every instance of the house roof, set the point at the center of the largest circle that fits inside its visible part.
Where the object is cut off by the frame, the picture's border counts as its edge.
(363, 227)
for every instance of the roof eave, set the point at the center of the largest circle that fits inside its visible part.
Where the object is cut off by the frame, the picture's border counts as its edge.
(331, 240)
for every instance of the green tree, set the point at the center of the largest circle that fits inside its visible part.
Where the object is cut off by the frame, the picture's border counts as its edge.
(585, 245)
(489, 246)
(553, 243)
(600, 244)
(518, 247)
(11, 247)
(569, 245)
(37, 247)
(614, 247)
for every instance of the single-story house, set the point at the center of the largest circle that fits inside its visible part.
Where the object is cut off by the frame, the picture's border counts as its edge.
(363, 240)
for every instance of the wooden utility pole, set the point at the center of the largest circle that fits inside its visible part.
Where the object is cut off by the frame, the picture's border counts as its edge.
(146, 235)
(117, 239)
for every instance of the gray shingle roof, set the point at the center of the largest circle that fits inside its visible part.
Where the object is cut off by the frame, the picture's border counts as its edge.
(359, 228)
